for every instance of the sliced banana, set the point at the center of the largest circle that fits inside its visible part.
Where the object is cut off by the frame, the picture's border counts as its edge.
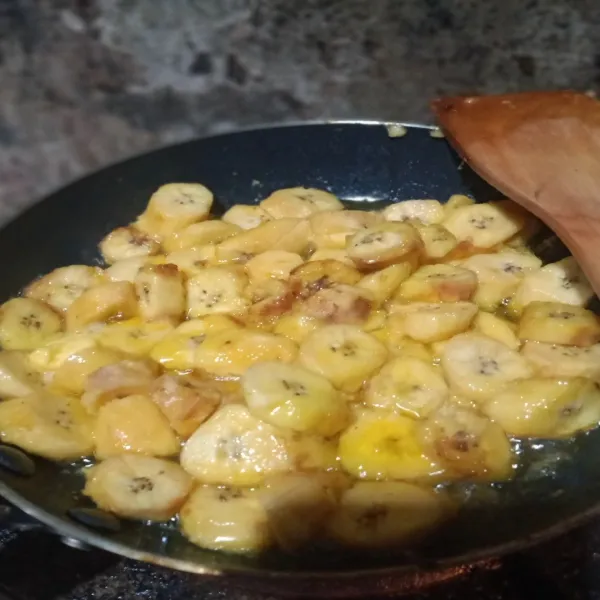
(127, 242)
(546, 408)
(384, 245)
(382, 284)
(187, 402)
(485, 225)
(438, 283)
(339, 304)
(344, 354)
(138, 487)
(193, 260)
(225, 518)
(133, 424)
(299, 202)
(477, 366)
(331, 229)
(161, 293)
(54, 427)
(174, 206)
(63, 285)
(296, 327)
(427, 212)
(216, 290)
(108, 301)
(246, 216)
(134, 336)
(557, 323)
(313, 453)
(438, 242)
(59, 349)
(200, 234)
(230, 352)
(331, 254)
(432, 322)
(457, 201)
(126, 269)
(26, 323)
(117, 380)
(407, 385)
(276, 264)
(497, 328)
(562, 281)
(554, 360)
(499, 274)
(235, 448)
(309, 278)
(291, 397)
(468, 444)
(386, 514)
(17, 378)
(385, 445)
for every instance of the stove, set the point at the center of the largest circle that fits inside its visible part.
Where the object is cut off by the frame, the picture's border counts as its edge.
(36, 564)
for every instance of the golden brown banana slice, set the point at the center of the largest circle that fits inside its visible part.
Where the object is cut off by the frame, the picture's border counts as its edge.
(246, 216)
(557, 323)
(331, 254)
(216, 290)
(554, 360)
(296, 327)
(26, 323)
(339, 304)
(427, 212)
(381, 285)
(138, 487)
(161, 293)
(17, 378)
(125, 243)
(272, 264)
(193, 260)
(331, 229)
(134, 336)
(299, 202)
(497, 328)
(438, 242)
(309, 278)
(200, 234)
(384, 245)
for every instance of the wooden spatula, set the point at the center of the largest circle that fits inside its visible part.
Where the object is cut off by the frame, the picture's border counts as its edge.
(542, 150)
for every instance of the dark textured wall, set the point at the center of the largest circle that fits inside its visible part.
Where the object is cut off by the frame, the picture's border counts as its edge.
(87, 82)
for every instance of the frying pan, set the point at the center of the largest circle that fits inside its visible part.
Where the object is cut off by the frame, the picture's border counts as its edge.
(552, 491)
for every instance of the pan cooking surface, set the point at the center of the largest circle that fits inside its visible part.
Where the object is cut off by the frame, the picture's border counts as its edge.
(364, 167)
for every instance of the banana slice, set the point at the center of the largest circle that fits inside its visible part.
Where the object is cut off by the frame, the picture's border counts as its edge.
(229, 353)
(117, 380)
(477, 366)
(291, 235)
(174, 206)
(59, 349)
(438, 283)
(381, 285)
(499, 274)
(385, 445)
(133, 424)
(187, 403)
(427, 212)
(469, 445)
(127, 242)
(497, 329)
(339, 304)
(126, 269)
(200, 234)
(291, 397)
(176, 350)
(296, 327)
(438, 242)
(331, 229)
(485, 225)
(553, 360)
(299, 202)
(17, 379)
(134, 336)
(277, 264)
(26, 324)
(331, 254)
(161, 292)
(407, 385)
(235, 448)
(246, 216)
(562, 281)
(384, 245)
(138, 487)
(313, 453)
(386, 514)
(457, 201)
(193, 260)
(216, 290)
(400, 345)
(54, 427)
(108, 301)
(546, 407)
(62, 286)
(557, 323)
(225, 518)
(309, 278)
(344, 354)
(430, 322)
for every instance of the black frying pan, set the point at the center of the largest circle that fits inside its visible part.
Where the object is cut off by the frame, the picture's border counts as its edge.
(552, 492)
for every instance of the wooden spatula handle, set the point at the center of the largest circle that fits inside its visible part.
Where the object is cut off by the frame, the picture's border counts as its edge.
(542, 150)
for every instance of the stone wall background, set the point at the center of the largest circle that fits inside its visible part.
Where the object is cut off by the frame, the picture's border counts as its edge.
(87, 82)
